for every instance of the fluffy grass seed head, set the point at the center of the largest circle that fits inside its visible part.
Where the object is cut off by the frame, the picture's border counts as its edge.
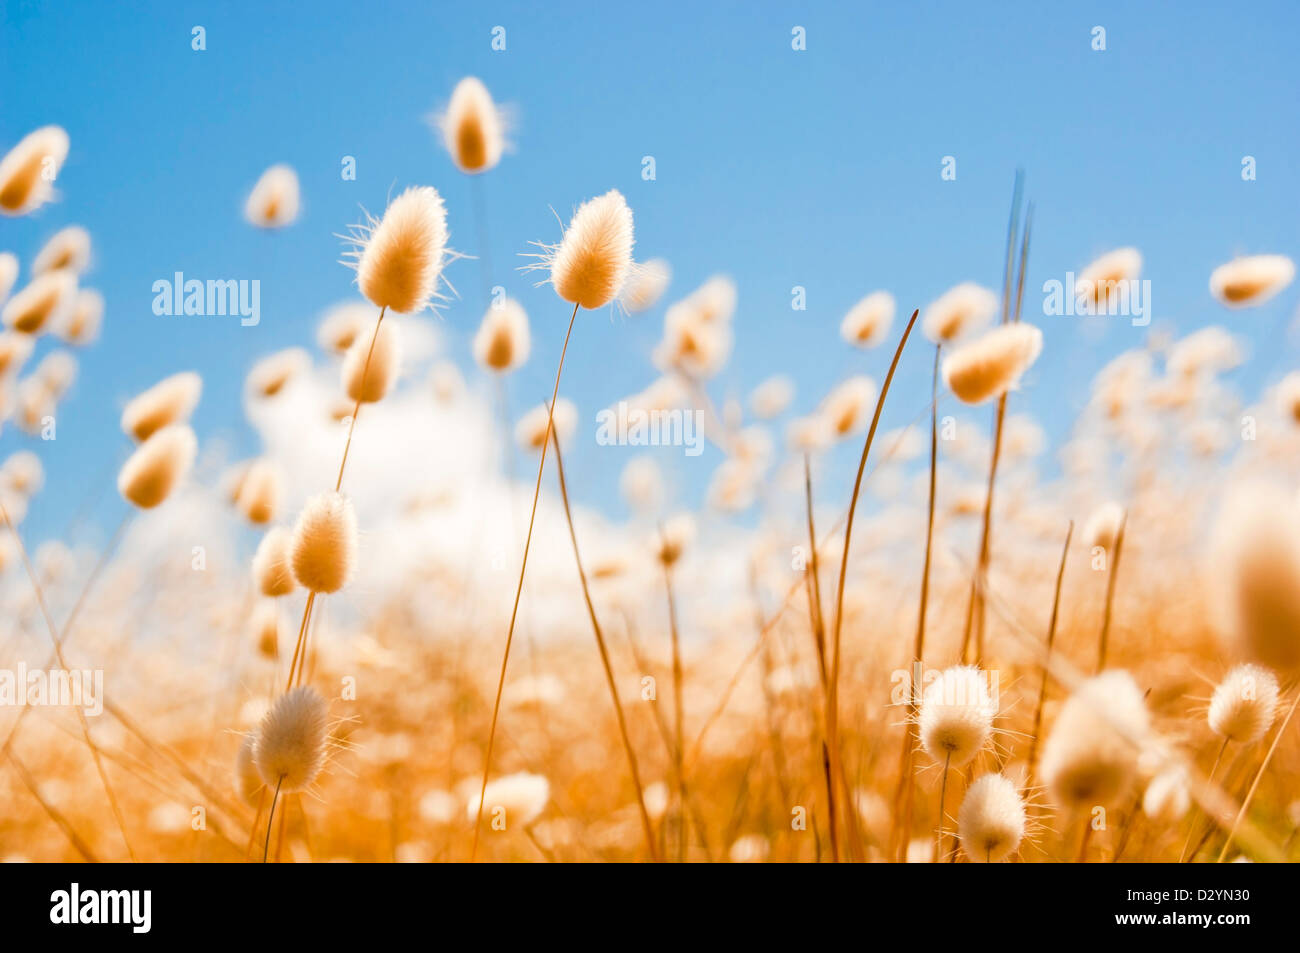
(272, 374)
(847, 408)
(170, 401)
(772, 397)
(56, 373)
(473, 128)
(290, 748)
(1091, 754)
(1100, 280)
(22, 473)
(530, 432)
(261, 492)
(272, 563)
(692, 346)
(1254, 574)
(1208, 351)
(371, 383)
(1252, 280)
(521, 796)
(674, 538)
(991, 820)
(646, 284)
(992, 365)
(157, 466)
(68, 248)
(342, 324)
(1244, 704)
(502, 342)
(593, 259)
(274, 201)
(956, 716)
(268, 621)
(869, 320)
(400, 257)
(42, 303)
(958, 311)
(324, 547)
(83, 319)
(28, 170)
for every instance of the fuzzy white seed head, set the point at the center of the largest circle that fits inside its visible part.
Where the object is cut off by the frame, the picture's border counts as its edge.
(1254, 574)
(991, 821)
(1252, 280)
(868, 321)
(1102, 279)
(42, 304)
(290, 748)
(771, 398)
(272, 374)
(343, 324)
(956, 716)
(1244, 704)
(957, 312)
(847, 409)
(1091, 754)
(68, 248)
(274, 201)
(530, 432)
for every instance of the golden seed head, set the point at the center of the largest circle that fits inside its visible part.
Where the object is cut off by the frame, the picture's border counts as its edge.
(42, 303)
(593, 259)
(28, 171)
(324, 548)
(473, 129)
(274, 201)
(157, 466)
(401, 257)
(502, 342)
(368, 373)
(272, 566)
(170, 401)
(991, 365)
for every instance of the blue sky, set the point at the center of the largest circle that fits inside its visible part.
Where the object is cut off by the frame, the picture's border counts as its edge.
(818, 168)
